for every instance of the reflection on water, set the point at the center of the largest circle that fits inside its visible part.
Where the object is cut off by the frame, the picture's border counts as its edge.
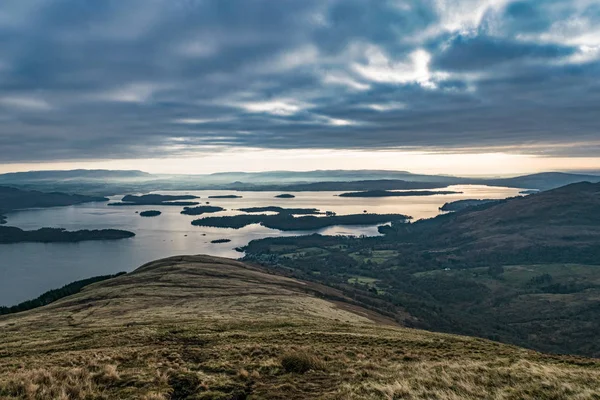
(28, 269)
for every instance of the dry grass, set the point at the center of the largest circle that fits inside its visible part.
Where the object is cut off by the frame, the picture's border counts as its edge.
(478, 380)
(207, 328)
(301, 361)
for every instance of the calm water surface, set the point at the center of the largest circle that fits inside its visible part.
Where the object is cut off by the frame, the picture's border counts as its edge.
(29, 269)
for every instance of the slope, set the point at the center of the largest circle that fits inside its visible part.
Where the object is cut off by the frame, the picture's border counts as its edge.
(199, 327)
(563, 223)
(524, 271)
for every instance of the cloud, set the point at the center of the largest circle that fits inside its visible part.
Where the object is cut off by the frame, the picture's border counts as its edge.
(129, 93)
(144, 78)
(276, 107)
(415, 69)
(478, 53)
(25, 103)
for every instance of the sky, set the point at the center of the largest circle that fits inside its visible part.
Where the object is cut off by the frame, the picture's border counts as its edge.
(176, 86)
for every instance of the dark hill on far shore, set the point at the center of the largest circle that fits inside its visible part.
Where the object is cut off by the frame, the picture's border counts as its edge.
(10, 234)
(17, 199)
(563, 220)
(379, 184)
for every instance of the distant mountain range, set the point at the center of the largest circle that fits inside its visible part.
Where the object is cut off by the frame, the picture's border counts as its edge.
(106, 182)
(73, 174)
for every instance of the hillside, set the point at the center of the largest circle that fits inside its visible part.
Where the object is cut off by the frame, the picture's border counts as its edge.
(562, 221)
(524, 271)
(542, 181)
(199, 327)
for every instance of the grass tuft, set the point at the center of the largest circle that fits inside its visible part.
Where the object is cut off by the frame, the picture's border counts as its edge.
(300, 362)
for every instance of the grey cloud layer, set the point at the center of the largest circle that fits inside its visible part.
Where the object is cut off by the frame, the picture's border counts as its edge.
(145, 78)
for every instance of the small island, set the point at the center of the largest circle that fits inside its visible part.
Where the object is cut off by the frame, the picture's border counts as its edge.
(220, 241)
(284, 222)
(387, 193)
(225, 196)
(281, 210)
(2, 219)
(150, 213)
(156, 200)
(201, 210)
(462, 204)
(285, 196)
(10, 234)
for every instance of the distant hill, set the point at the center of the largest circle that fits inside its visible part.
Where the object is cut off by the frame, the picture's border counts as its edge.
(89, 182)
(559, 222)
(362, 185)
(542, 181)
(199, 327)
(13, 199)
(73, 174)
(11, 234)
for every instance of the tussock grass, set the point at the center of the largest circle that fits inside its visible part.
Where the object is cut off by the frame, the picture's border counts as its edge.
(209, 328)
(477, 380)
(56, 383)
(301, 361)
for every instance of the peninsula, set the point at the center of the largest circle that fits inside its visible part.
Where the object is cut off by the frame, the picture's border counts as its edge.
(156, 200)
(285, 222)
(281, 210)
(462, 204)
(10, 234)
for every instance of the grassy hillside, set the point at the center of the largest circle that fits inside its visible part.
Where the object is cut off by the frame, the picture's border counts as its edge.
(566, 217)
(199, 327)
(523, 271)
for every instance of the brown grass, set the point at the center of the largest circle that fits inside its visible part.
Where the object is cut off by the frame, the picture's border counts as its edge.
(208, 328)
(301, 361)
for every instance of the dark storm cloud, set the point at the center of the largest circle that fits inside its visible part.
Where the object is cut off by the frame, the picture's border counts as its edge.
(481, 52)
(127, 79)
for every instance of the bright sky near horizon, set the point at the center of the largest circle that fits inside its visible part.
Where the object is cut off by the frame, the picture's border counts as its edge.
(469, 87)
(475, 164)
